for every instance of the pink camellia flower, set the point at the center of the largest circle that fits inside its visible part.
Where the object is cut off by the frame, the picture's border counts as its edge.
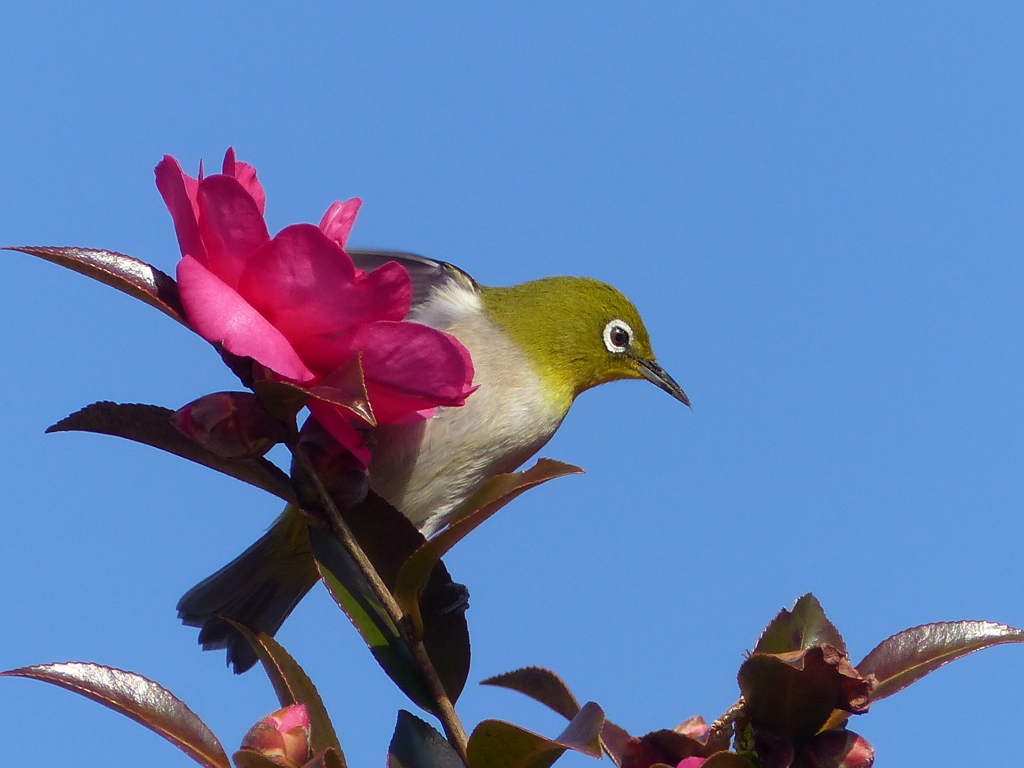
(691, 762)
(281, 737)
(296, 304)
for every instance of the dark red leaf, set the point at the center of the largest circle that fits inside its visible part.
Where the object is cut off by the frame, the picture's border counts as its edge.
(136, 697)
(497, 744)
(909, 655)
(151, 425)
(793, 694)
(136, 278)
(541, 685)
(495, 494)
(805, 626)
(293, 686)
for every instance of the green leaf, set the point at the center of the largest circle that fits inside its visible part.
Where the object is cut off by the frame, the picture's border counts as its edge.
(388, 539)
(152, 425)
(793, 694)
(492, 496)
(416, 744)
(144, 701)
(909, 655)
(541, 685)
(136, 278)
(292, 686)
(356, 598)
(805, 626)
(497, 744)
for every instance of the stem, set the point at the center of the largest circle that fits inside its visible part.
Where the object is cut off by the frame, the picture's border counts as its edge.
(453, 728)
(728, 718)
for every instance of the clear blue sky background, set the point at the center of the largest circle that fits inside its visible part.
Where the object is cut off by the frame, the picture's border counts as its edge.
(817, 207)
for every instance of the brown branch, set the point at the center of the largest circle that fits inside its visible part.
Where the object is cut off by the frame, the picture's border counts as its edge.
(453, 728)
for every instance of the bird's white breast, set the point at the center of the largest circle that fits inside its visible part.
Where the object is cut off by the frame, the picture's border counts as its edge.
(426, 469)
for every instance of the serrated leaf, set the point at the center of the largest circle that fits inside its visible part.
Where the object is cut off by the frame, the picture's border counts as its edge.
(125, 273)
(805, 626)
(614, 739)
(356, 598)
(495, 494)
(498, 744)
(909, 655)
(138, 698)
(416, 744)
(541, 685)
(293, 686)
(151, 425)
(793, 694)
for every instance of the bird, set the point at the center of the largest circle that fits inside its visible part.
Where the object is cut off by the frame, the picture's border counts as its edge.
(535, 347)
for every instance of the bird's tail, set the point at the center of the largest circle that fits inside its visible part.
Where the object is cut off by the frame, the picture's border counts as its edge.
(259, 588)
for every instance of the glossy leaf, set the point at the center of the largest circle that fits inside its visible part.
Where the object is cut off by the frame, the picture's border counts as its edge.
(125, 273)
(293, 686)
(793, 694)
(152, 425)
(415, 744)
(909, 655)
(356, 598)
(136, 697)
(388, 538)
(803, 627)
(497, 744)
(495, 494)
(541, 685)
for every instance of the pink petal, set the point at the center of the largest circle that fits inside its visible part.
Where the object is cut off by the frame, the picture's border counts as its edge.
(408, 367)
(231, 225)
(305, 285)
(294, 716)
(338, 421)
(338, 221)
(179, 194)
(219, 314)
(246, 176)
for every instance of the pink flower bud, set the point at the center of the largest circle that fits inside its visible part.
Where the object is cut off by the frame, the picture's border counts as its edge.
(691, 762)
(282, 737)
(234, 425)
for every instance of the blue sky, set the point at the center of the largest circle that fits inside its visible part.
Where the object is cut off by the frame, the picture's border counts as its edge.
(816, 208)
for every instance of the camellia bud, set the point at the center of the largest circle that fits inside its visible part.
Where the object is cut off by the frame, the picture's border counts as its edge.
(234, 425)
(282, 737)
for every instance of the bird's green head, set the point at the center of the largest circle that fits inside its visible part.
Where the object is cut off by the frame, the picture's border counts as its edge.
(578, 333)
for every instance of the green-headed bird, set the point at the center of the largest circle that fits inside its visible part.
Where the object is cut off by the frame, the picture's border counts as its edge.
(535, 347)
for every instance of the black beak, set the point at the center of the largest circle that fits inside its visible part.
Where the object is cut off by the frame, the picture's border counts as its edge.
(655, 374)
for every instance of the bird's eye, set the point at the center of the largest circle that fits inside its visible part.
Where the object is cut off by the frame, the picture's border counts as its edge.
(617, 336)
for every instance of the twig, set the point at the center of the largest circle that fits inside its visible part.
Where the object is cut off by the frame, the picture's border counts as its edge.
(453, 728)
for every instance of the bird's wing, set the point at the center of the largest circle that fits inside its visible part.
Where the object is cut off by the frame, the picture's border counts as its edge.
(427, 274)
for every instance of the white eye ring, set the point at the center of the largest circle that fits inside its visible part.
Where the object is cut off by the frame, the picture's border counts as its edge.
(613, 333)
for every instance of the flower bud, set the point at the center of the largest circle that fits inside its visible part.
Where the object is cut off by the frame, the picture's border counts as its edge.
(282, 737)
(234, 425)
